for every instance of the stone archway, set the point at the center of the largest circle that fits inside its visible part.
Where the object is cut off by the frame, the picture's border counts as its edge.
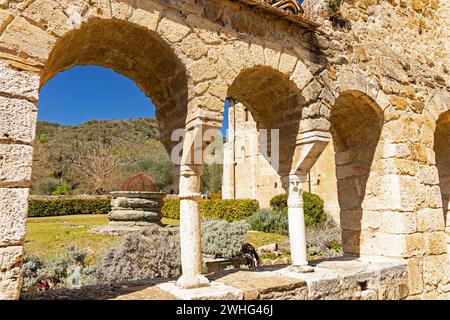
(441, 149)
(134, 52)
(438, 111)
(356, 125)
(129, 49)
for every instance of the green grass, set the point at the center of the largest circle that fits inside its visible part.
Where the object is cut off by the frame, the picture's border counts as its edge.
(50, 236)
(258, 239)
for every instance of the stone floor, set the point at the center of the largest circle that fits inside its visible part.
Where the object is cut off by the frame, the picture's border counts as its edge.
(338, 278)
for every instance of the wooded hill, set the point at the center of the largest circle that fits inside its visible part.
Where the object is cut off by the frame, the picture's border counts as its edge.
(97, 156)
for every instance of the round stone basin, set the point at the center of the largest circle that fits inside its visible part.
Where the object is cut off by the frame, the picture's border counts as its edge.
(135, 206)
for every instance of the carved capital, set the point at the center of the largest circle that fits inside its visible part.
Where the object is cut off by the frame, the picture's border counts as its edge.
(294, 185)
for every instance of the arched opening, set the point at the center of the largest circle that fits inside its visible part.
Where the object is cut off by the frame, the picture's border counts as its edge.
(96, 129)
(137, 54)
(146, 60)
(441, 149)
(356, 124)
(266, 114)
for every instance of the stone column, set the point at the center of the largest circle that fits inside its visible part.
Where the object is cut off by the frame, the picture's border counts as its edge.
(297, 221)
(18, 113)
(190, 228)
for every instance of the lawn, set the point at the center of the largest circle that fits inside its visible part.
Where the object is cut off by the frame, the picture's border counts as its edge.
(50, 236)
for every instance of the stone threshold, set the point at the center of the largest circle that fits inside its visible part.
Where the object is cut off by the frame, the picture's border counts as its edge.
(366, 278)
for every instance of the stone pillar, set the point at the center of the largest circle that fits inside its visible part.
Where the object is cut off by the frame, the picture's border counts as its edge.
(18, 113)
(190, 228)
(297, 220)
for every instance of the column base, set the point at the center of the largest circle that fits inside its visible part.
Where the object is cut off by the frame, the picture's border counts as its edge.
(301, 269)
(192, 282)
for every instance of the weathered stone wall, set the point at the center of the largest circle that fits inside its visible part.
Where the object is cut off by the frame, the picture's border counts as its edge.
(257, 178)
(402, 46)
(382, 60)
(185, 55)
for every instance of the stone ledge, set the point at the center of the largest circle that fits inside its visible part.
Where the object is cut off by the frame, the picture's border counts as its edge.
(367, 278)
(217, 291)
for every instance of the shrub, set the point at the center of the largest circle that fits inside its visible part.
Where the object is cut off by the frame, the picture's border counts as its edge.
(334, 7)
(215, 196)
(312, 205)
(324, 239)
(67, 270)
(171, 208)
(64, 189)
(47, 207)
(229, 210)
(142, 255)
(272, 221)
(279, 202)
(223, 239)
(48, 186)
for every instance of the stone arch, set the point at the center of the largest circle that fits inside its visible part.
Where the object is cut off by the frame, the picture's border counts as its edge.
(134, 52)
(275, 102)
(437, 112)
(356, 127)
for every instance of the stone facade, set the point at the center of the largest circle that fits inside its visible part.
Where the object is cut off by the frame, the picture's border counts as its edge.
(375, 80)
(258, 179)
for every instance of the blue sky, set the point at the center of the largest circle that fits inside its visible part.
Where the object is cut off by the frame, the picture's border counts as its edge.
(82, 94)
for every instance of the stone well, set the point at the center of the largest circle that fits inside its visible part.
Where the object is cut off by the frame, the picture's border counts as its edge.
(136, 208)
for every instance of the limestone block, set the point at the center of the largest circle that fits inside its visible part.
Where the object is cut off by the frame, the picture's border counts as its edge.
(15, 165)
(428, 175)
(415, 244)
(382, 100)
(5, 19)
(134, 215)
(121, 9)
(391, 245)
(301, 75)
(50, 16)
(18, 83)
(13, 216)
(287, 63)
(436, 243)
(272, 54)
(172, 30)
(399, 222)
(435, 269)
(17, 120)
(415, 277)
(218, 88)
(430, 220)
(10, 272)
(147, 19)
(434, 197)
(193, 47)
(23, 37)
(202, 70)
(205, 29)
(312, 91)
(216, 291)
(238, 56)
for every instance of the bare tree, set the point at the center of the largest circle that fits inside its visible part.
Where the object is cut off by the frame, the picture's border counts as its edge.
(97, 163)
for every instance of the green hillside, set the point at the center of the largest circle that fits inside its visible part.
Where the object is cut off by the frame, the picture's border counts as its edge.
(97, 156)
